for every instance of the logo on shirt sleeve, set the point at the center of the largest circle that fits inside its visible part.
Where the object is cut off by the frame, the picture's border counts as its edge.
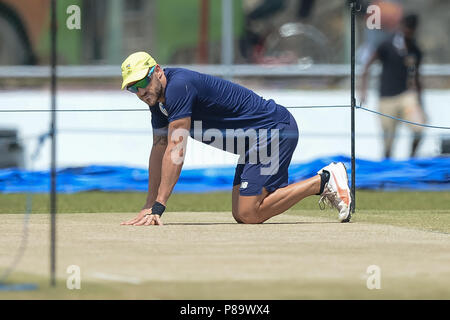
(163, 110)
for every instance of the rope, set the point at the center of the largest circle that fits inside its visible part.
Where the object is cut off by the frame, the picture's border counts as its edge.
(292, 107)
(135, 110)
(71, 110)
(403, 120)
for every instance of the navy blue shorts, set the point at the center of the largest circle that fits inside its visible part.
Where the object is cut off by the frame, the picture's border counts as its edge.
(271, 171)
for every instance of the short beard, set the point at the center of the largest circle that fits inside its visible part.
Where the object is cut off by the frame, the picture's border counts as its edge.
(158, 92)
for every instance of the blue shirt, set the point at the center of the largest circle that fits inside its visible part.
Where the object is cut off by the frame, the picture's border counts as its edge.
(216, 102)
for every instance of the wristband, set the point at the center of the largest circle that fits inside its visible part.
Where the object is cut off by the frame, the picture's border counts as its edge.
(158, 208)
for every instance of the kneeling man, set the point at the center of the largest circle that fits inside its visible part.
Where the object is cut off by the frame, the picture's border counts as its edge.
(227, 116)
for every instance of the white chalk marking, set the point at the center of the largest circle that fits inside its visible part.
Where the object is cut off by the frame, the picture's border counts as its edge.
(114, 277)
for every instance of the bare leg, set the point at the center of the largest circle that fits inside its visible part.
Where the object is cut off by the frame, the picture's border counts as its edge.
(257, 209)
(389, 127)
(416, 140)
(388, 141)
(235, 203)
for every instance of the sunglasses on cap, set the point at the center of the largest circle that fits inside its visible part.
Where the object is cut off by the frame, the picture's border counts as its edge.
(143, 83)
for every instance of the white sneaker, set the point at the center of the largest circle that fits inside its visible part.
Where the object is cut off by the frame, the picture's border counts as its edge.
(336, 192)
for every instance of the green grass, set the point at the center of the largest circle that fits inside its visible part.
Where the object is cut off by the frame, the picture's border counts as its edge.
(238, 289)
(428, 220)
(218, 201)
(423, 210)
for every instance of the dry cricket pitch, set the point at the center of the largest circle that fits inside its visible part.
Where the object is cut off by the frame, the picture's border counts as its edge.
(209, 256)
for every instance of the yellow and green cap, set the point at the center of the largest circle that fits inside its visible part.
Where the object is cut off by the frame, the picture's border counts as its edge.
(136, 67)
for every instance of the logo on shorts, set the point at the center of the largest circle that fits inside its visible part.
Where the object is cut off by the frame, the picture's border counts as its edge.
(244, 184)
(163, 110)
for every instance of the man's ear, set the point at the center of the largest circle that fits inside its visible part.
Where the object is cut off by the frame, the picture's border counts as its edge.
(159, 71)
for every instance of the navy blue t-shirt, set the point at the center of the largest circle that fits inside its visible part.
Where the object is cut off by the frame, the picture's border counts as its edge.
(216, 102)
(400, 65)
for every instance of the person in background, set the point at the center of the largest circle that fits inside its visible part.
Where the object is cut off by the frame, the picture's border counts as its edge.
(391, 14)
(400, 86)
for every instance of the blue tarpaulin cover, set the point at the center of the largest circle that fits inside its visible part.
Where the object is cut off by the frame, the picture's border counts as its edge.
(413, 174)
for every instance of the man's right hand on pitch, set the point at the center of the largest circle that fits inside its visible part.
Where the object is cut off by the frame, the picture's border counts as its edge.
(144, 218)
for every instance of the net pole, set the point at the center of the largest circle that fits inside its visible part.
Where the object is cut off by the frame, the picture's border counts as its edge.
(53, 147)
(227, 38)
(353, 101)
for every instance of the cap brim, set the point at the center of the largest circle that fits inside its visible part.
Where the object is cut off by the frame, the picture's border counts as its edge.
(135, 76)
